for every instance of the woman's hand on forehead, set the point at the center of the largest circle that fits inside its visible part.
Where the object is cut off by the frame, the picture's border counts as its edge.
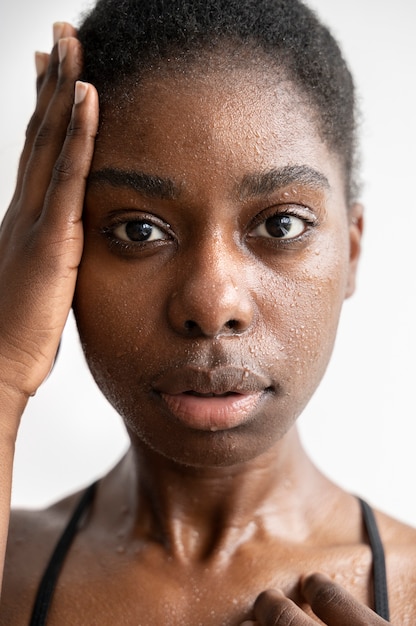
(41, 237)
(330, 602)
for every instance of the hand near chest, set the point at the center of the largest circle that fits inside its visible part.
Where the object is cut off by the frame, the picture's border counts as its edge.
(330, 602)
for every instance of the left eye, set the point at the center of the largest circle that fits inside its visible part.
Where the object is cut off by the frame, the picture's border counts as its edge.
(138, 231)
(280, 227)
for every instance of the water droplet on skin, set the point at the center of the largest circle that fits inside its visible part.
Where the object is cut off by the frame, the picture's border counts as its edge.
(360, 571)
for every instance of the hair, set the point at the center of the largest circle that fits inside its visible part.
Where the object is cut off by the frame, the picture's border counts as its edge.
(125, 39)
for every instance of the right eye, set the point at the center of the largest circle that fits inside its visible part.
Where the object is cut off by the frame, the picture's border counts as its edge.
(138, 231)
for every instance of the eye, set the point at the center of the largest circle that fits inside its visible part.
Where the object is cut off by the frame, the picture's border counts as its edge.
(138, 231)
(280, 226)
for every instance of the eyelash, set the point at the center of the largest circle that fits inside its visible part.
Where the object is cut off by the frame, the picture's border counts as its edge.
(299, 212)
(131, 246)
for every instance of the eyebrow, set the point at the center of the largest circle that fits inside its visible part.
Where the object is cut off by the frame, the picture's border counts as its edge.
(147, 184)
(262, 183)
(252, 185)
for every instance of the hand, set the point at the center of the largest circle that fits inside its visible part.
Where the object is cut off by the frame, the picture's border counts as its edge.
(41, 237)
(330, 602)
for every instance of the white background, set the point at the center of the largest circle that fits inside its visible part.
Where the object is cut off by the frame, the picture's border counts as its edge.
(360, 427)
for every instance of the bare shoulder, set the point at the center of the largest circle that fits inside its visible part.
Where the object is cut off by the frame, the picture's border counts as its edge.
(399, 542)
(395, 534)
(33, 535)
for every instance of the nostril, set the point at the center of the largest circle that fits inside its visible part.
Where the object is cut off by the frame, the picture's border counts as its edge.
(231, 324)
(190, 325)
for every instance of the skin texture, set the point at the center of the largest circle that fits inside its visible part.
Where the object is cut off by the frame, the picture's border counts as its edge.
(212, 267)
(216, 502)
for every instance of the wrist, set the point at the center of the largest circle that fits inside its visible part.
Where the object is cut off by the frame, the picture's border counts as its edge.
(13, 402)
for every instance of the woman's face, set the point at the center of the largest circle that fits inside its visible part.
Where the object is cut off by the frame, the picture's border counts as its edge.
(218, 252)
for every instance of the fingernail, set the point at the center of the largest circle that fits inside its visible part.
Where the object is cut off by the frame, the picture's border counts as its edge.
(80, 91)
(58, 29)
(41, 62)
(62, 49)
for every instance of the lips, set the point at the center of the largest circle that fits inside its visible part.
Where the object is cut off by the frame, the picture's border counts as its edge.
(212, 399)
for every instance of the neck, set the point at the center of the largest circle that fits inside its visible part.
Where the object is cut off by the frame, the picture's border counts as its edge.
(200, 512)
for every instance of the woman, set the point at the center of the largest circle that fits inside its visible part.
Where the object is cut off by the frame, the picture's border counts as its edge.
(206, 239)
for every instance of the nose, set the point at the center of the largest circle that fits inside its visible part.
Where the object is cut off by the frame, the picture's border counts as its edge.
(211, 297)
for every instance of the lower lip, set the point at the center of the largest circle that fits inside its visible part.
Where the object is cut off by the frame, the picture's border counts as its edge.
(216, 413)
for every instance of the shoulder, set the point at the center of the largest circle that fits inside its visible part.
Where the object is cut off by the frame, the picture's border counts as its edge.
(396, 535)
(399, 542)
(33, 535)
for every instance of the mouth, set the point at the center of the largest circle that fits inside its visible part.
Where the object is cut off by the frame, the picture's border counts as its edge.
(212, 399)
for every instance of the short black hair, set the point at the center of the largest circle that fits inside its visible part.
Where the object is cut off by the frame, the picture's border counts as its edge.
(123, 39)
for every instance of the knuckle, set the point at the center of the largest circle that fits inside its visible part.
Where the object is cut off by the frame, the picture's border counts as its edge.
(63, 169)
(75, 129)
(276, 610)
(33, 125)
(285, 616)
(326, 595)
(44, 136)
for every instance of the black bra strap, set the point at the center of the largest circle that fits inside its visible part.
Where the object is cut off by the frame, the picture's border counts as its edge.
(48, 582)
(381, 598)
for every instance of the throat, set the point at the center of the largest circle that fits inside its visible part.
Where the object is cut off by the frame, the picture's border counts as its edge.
(195, 514)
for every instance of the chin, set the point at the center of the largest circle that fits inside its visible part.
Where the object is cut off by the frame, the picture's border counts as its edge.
(204, 449)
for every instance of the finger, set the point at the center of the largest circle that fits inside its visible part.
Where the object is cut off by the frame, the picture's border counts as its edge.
(41, 63)
(65, 196)
(47, 68)
(273, 608)
(47, 143)
(42, 261)
(61, 30)
(336, 606)
(47, 73)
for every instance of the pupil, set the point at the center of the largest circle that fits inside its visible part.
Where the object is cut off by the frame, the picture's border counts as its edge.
(138, 231)
(279, 225)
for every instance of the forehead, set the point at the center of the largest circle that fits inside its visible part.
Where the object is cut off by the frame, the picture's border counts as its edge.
(223, 121)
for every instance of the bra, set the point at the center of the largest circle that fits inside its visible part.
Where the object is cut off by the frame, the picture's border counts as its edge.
(52, 571)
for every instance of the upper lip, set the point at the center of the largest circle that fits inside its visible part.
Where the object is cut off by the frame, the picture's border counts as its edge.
(217, 381)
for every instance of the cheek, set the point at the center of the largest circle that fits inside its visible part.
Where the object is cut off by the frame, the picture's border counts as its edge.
(301, 310)
(119, 320)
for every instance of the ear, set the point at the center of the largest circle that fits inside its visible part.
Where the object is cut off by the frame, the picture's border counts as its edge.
(355, 228)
